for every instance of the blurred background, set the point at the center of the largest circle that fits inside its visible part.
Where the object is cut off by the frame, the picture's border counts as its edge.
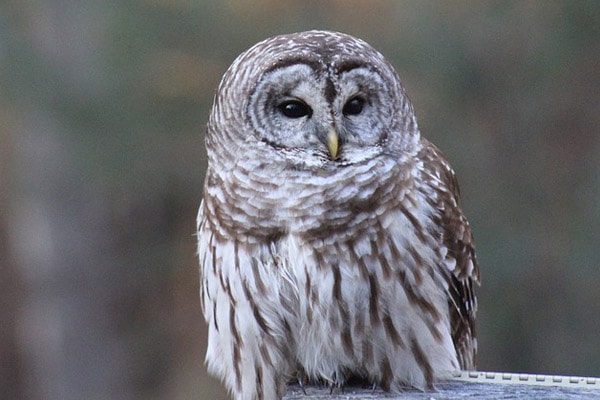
(103, 108)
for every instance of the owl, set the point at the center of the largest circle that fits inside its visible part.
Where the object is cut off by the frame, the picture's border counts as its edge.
(331, 242)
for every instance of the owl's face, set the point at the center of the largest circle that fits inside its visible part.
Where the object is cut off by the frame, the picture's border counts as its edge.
(322, 114)
(316, 100)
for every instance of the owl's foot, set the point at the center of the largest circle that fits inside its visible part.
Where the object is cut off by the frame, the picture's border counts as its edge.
(335, 383)
(301, 384)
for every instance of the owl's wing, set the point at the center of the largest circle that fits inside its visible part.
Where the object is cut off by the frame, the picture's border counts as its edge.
(461, 264)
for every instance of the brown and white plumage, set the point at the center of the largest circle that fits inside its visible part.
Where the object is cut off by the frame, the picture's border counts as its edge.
(331, 241)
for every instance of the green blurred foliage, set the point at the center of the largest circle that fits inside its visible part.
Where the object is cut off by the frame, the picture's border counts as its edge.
(103, 110)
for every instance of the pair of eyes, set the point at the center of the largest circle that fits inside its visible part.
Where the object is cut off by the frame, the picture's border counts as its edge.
(297, 108)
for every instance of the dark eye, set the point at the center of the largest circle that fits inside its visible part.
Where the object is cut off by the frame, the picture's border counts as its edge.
(294, 109)
(354, 106)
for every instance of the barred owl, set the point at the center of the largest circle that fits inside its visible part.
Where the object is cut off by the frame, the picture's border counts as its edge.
(331, 241)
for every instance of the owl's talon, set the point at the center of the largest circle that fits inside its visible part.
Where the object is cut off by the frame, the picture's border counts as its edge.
(332, 383)
(301, 384)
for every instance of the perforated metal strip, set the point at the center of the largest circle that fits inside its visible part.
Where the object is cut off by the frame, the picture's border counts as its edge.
(529, 379)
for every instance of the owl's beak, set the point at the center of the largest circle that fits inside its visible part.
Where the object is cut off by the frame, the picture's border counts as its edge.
(332, 143)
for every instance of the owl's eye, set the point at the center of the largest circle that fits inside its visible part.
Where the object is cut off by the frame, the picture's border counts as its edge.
(354, 106)
(294, 109)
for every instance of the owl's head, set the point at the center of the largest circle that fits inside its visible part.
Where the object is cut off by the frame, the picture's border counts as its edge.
(315, 99)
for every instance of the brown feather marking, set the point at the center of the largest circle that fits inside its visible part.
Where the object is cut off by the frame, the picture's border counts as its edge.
(422, 361)
(286, 304)
(418, 264)
(214, 259)
(259, 382)
(290, 339)
(374, 301)
(314, 295)
(362, 267)
(255, 311)
(265, 354)
(237, 344)
(346, 334)
(309, 291)
(222, 281)
(307, 284)
(386, 269)
(232, 300)
(236, 255)
(215, 316)
(386, 374)
(203, 293)
(337, 284)
(346, 337)
(391, 331)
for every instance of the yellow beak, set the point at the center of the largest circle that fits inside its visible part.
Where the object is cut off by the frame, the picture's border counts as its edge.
(332, 143)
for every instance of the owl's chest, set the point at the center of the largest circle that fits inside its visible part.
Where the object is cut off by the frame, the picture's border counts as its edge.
(362, 260)
(351, 291)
